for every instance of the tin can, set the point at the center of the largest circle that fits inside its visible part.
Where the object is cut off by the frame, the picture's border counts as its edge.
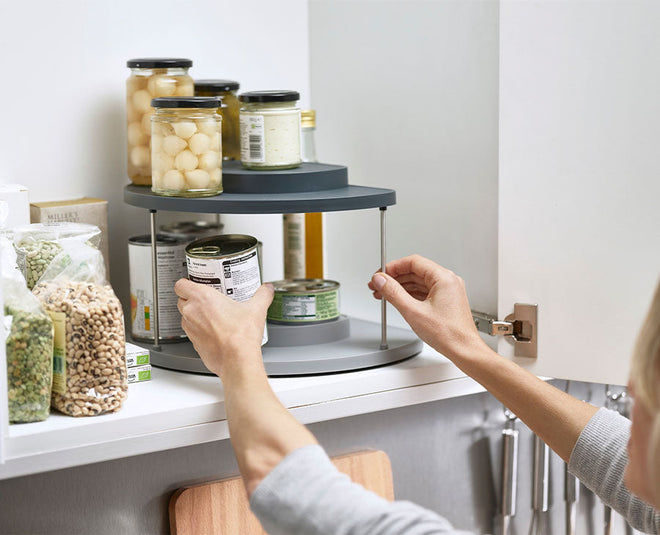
(191, 230)
(229, 263)
(171, 267)
(304, 302)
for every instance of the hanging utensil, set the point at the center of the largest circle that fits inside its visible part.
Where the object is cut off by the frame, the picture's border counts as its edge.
(619, 402)
(571, 493)
(540, 487)
(571, 498)
(509, 472)
(607, 520)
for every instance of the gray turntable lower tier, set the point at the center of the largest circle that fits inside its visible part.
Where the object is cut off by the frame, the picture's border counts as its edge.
(343, 345)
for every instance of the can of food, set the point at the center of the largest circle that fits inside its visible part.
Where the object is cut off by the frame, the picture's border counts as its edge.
(191, 230)
(171, 259)
(304, 302)
(229, 263)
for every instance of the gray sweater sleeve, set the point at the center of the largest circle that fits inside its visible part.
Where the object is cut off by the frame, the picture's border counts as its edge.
(306, 495)
(599, 459)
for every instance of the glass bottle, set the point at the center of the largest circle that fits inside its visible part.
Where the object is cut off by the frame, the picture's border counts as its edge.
(150, 78)
(186, 146)
(303, 233)
(307, 129)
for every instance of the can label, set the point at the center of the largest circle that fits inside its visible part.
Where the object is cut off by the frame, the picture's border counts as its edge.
(171, 267)
(316, 307)
(236, 276)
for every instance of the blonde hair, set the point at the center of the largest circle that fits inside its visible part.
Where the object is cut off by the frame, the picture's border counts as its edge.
(645, 375)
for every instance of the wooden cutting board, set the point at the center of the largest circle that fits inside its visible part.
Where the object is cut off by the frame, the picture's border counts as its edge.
(222, 508)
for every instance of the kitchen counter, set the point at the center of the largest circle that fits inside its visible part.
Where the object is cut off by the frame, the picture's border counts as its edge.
(178, 409)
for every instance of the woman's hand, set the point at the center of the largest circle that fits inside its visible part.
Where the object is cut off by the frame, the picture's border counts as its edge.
(221, 329)
(433, 301)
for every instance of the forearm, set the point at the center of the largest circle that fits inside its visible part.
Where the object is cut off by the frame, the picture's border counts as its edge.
(262, 431)
(556, 417)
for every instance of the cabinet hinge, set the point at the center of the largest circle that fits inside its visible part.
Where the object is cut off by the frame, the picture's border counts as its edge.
(521, 327)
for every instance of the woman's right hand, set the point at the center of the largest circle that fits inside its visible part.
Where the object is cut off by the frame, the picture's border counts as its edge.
(223, 332)
(433, 301)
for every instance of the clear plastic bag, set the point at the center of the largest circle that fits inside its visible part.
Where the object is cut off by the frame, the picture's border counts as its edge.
(38, 244)
(89, 362)
(29, 344)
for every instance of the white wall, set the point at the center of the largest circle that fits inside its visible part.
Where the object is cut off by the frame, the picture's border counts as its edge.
(63, 90)
(406, 95)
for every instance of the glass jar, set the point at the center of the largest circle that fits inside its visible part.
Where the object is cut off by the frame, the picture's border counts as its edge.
(186, 147)
(150, 78)
(270, 129)
(231, 131)
(307, 143)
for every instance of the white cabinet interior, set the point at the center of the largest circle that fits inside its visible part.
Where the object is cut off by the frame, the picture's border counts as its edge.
(579, 217)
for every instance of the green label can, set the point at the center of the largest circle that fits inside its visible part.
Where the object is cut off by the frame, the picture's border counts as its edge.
(304, 301)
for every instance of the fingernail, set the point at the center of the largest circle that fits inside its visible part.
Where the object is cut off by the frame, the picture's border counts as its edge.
(270, 286)
(378, 280)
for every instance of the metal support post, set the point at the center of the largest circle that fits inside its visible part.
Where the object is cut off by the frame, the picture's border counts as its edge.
(383, 268)
(153, 314)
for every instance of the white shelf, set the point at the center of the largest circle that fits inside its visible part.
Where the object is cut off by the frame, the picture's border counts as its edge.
(178, 409)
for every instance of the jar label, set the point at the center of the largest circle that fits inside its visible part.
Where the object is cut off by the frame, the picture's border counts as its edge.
(253, 148)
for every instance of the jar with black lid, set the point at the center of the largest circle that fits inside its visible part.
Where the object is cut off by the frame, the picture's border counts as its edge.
(226, 91)
(270, 129)
(186, 146)
(150, 78)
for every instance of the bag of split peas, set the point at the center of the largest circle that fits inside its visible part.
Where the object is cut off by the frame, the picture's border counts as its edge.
(28, 335)
(37, 244)
(89, 363)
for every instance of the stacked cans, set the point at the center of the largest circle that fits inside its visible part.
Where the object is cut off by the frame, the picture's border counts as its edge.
(171, 267)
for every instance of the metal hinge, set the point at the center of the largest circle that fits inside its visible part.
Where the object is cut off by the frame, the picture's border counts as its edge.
(521, 327)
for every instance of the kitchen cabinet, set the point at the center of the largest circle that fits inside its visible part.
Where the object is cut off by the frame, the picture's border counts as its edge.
(579, 195)
(529, 166)
(572, 176)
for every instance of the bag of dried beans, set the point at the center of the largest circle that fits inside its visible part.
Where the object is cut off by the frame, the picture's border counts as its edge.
(39, 243)
(89, 363)
(28, 334)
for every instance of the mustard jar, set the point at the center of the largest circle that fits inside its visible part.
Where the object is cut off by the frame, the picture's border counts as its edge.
(226, 91)
(150, 78)
(186, 146)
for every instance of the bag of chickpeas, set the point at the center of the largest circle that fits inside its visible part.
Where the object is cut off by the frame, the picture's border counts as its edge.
(28, 335)
(37, 244)
(89, 363)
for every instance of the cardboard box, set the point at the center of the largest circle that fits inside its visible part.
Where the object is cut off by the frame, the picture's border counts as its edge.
(136, 355)
(14, 205)
(139, 374)
(86, 210)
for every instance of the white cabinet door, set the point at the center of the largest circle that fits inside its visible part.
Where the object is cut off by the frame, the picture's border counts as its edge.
(579, 179)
